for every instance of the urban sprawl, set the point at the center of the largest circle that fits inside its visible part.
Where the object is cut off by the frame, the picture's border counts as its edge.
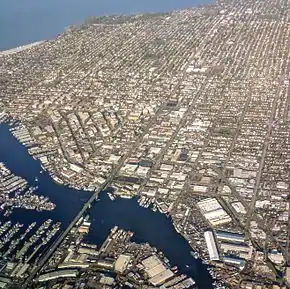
(187, 111)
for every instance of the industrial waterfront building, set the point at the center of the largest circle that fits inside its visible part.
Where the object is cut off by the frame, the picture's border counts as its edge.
(211, 246)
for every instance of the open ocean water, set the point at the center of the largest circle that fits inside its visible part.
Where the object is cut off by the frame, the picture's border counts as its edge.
(27, 21)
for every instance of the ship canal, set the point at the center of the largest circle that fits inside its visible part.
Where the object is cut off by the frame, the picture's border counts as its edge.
(148, 226)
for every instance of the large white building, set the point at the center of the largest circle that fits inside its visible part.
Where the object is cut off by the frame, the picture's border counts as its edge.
(161, 277)
(122, 263)
(57, 274)
(156, 270)
(211, 246)
(213, 212)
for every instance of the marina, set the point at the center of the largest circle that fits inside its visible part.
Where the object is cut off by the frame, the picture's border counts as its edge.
(148, 226)
(171, 127)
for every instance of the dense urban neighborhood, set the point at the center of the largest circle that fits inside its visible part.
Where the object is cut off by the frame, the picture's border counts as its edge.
(187, 111)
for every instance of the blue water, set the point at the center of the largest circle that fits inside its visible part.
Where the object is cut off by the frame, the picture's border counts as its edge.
(26, 21)
(148, 226)
(17, 159)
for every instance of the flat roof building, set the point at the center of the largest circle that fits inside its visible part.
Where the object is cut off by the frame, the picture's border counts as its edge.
(211, 246)
(161, 277)
(57, 274)
(122, 263)
(212, 210)
(242, 249)
(229, 236)
(156, 270)
(235, 261)
(73, 265)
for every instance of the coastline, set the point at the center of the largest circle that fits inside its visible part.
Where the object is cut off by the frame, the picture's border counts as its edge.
(132, 205)
(20, 48)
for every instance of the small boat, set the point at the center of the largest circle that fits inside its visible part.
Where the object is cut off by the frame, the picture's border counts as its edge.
(111, 196)
(195, 255)
(174, 269)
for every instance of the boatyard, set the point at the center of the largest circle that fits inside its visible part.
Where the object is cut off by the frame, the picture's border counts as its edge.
(173, 126)
(104, 209)
(118, 261)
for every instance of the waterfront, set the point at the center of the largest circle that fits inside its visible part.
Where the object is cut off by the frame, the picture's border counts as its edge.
(16, 158)
(148, 226)
(183, 108)
(18, 21)
(28, 21)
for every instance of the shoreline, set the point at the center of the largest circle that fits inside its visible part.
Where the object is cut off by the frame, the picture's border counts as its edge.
(20, 48)
(106, 14)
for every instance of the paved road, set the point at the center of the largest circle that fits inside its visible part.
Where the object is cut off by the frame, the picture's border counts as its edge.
(261, 165)
(59, 240)
(288, 240)
(86, 206)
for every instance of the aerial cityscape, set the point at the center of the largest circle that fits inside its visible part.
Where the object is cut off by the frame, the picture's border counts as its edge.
(175, 123)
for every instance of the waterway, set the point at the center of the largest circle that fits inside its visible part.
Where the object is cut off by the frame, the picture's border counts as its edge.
(27, 21)
(148, 226)
(15, 156)
(23, 22)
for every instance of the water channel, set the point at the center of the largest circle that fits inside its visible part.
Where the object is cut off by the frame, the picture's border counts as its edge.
(148, 226)
(24, 22)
